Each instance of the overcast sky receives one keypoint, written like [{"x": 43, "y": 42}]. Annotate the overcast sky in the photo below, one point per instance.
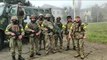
[{"x": 62, "y": 3}]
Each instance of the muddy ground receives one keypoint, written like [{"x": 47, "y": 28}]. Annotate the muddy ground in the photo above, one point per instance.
[{"x": 93, "y": 51}]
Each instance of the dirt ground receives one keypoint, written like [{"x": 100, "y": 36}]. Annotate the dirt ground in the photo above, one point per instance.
[{"x": 93, "y": 51}]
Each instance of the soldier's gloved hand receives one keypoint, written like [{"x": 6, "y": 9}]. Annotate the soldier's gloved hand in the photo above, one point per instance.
[
  {"x": 20, "y": 37},
  {"x": 12, "y": 34}
]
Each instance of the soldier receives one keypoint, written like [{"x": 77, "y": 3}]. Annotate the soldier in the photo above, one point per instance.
[
  {"x": 21, "y": 13},
  {"x": 79, "y": 35},
  {"x": 34, "y": 33},
  {"x": 68, "y": 32},
  {"x": 40, "y": 24},
  {"x": 58, "y": 33},
  {"x": 48, "y": 30},
  {"x": 15, "y": 31}
]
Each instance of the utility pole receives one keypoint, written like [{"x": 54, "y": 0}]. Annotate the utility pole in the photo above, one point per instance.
[
  {"x": 86, "y": 16},
  {"x": 74, "y": 8}
]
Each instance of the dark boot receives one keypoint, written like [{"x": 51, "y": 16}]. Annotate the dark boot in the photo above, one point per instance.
[
  {"x": 20, "y": 57},
  {"x": 13, "y": 58},
  {"x": 32, "y": 55},
  {"x": 74, "y": 47},
  {"x": 67, "y": 48},
  {"x": 38, "y": 54}
]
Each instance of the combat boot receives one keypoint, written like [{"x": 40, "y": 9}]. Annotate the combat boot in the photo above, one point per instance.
[
  {"x": 67, "y": 48},
  {"x": 20, "y": 57},
  {"x": 74, "y": 47},
  {"x": 32, "y": 55},
  {"x": 13, "y": 58},
  {"x": 38, "y": 53}
]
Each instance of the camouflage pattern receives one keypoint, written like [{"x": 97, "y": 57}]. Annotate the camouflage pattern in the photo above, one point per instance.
[
  {"x": 13, "y": 41},
  {"x": 48, "y": 31},
  {"x": 34, "y": 39},
  {"x": 58, "y": 35},
  {"x": 68, "y": 32},
  {"x": 42, "y": 35},
  {"x": 79, "y": 32}
]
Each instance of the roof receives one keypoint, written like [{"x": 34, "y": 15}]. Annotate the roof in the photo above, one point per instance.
[{"x": 50, "y": 6}]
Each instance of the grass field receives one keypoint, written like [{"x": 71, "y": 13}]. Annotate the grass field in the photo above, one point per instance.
[{"x": 97, "y": 32}]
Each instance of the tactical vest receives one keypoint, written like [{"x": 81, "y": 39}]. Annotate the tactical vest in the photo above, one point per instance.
[
  {"x": 34, "y": 27},
  {"x": 59, "y": 25},
  {"x": 15, "y": 28},
  {"x": 68, "y": 27},
  {"x": 78, "y": 28}
]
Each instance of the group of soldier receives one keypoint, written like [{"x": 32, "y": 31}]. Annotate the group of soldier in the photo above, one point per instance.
[{"x": 43, "y": 29}]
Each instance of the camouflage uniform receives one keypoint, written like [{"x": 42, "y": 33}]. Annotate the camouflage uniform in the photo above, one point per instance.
[
  {"x": 21, "y": 14},
  {"x": 42, "y": 35},
  {"x": 79, "y": 33},
  {"x": 34, "y": 39},
  {"x": 48, "y": 31},
  {"x": 68, "y": 32},
  {"x": 14, "y": 40},
  {"x": 58, "y": 34}
]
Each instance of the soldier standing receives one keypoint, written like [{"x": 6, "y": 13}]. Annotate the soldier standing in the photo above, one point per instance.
[
  {"x": 58, "y": 33},
  {"x": 42, "y": 35},
  {"x": 68, "y": 32},
  {"x": 48, "y": 30},
  {"x": 79, "y": 35},
  {"x": 34, "y": 32},
  {"x": 21, "y": 13},
  {"x": 15, "y": 31}
]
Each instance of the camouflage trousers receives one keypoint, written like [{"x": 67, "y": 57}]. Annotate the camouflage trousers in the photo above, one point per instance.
[
  {"x": 80, "y": 47},
  {"x": 58, "y": 37},
  {"x": 13, "y": 43},
  {"x": 34, "y": 42},
  {"x": 79, "y": 42},
  {"x": 42, "y": 41},
  {"x": 49, "y": 46},
  {"x": 69, "y": 39}
]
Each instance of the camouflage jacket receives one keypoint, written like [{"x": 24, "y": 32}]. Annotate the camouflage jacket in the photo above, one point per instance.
[
  {"x": 15, "y": 29},
  {"x": 78, "y": 30},
  {"x": 68, "y": 27},
  {"x": 78, "y": 27},
  {"x": 58, "y": 27},
  {"x": 48, "y": 25},
  {"x": 32, "y": 26}
]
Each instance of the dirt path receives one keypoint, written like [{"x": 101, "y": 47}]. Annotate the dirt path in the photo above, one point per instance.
[{"x": 93, "y": 51}]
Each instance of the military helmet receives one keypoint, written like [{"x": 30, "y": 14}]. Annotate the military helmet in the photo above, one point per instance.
[
  {"x": 47, "y": 15},
  {"x": 40, "y": 14},
  {"x": 58, "y": 18},
  {"x": 14, "y": 18},
  {"x": 33, "y": 16}
]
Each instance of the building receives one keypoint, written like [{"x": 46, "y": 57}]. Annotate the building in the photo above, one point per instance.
[
  {"x": 56, "y": 11},
  {"x": 86, "y": 15}
]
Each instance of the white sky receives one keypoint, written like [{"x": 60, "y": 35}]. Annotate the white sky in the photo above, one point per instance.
[{"x": 62, "y": 3}]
